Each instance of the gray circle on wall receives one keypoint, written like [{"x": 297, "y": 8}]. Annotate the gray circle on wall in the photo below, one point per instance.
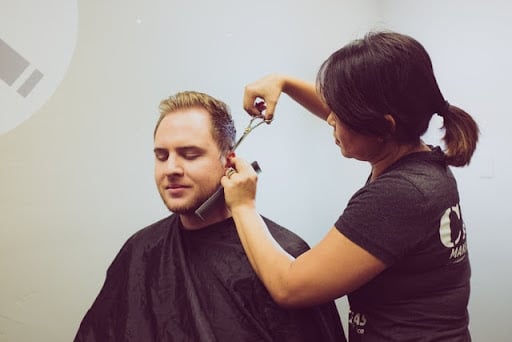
[{"x": 37, "y": 41}]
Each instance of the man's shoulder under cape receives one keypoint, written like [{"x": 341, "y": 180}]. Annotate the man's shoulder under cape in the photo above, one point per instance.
[{"x": 171, "y": 284}]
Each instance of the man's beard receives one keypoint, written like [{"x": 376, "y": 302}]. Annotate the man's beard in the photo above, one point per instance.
[{"x": 186, "y": 209}]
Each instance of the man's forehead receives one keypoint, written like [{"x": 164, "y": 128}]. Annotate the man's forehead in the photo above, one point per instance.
[
  {"x": 190, "y": 127},
  {"x": 195, "y": 120}
]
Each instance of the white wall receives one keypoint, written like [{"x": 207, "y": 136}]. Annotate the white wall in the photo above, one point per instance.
[{"x": 76, "y": 177}]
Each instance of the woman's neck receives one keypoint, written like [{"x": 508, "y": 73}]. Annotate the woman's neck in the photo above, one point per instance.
[{"x": 392, "y": 154}]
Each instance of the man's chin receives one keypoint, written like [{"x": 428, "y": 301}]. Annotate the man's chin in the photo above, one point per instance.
[{"x": 183, "y": 209}]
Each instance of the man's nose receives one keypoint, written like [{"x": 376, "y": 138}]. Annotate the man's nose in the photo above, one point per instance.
[{"x": 173, "y": 166}]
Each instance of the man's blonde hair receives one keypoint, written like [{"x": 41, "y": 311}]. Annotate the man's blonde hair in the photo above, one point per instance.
[{"x": 223, "y": 127}]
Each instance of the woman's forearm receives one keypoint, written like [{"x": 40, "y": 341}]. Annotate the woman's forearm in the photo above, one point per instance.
[
  {"x": 270, "y": 262},
  {"x": 270, "y": 87},
  {"x": 305, "y": 94}
]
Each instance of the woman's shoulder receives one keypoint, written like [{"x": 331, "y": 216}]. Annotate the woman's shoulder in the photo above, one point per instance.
[{"x": 418, "y": 173}]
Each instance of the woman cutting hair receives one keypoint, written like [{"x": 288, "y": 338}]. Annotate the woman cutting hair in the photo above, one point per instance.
[{"x": 398, "y": 250}]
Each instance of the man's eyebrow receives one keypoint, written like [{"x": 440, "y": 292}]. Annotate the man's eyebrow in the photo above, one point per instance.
[
  {"x": 191, "y": 148},
  {"x": 181, "y": 149},
  {"x": 159, "y": 149}
]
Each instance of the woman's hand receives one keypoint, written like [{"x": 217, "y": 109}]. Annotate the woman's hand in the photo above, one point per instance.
[
  {"x": 268, "y": 89},
  {"x": 239, "y": 184}
]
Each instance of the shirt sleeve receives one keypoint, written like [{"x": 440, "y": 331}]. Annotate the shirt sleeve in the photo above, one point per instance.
[{"x": 386, "y": 218}]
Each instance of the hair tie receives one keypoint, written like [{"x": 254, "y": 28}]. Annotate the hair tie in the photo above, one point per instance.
[{"x": 445, "y": 109}]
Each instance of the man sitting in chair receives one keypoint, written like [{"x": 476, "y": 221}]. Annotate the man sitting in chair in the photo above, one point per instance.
[{"x": 185, "y": 277}]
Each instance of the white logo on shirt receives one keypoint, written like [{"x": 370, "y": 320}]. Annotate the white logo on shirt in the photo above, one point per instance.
[
  {"x": 357, "y": 321},
  {"x": 452, "y": 232}
]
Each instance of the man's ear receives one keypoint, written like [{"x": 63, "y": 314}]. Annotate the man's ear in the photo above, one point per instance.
[{"x": 229, "y": 155}]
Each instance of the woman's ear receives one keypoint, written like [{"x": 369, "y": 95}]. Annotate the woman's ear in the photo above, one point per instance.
[{"x": 391, "y": 123}]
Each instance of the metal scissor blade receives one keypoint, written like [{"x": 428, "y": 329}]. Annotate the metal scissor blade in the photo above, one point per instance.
[
  {"x": 250, "y": 127},
  {"x": 219, "y": 193}
]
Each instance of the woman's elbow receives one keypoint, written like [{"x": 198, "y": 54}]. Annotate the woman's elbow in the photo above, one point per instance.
[
  {"x": 290, "y": 299},
  {"x": 285, "y": 300},
  {"x": 301, "y": 297}
]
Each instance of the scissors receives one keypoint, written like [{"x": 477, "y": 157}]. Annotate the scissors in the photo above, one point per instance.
[
  {"x": 253, "y": 124},
  {"x": 260, "y": 105},
  {"x": 251, "y": 127}
]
